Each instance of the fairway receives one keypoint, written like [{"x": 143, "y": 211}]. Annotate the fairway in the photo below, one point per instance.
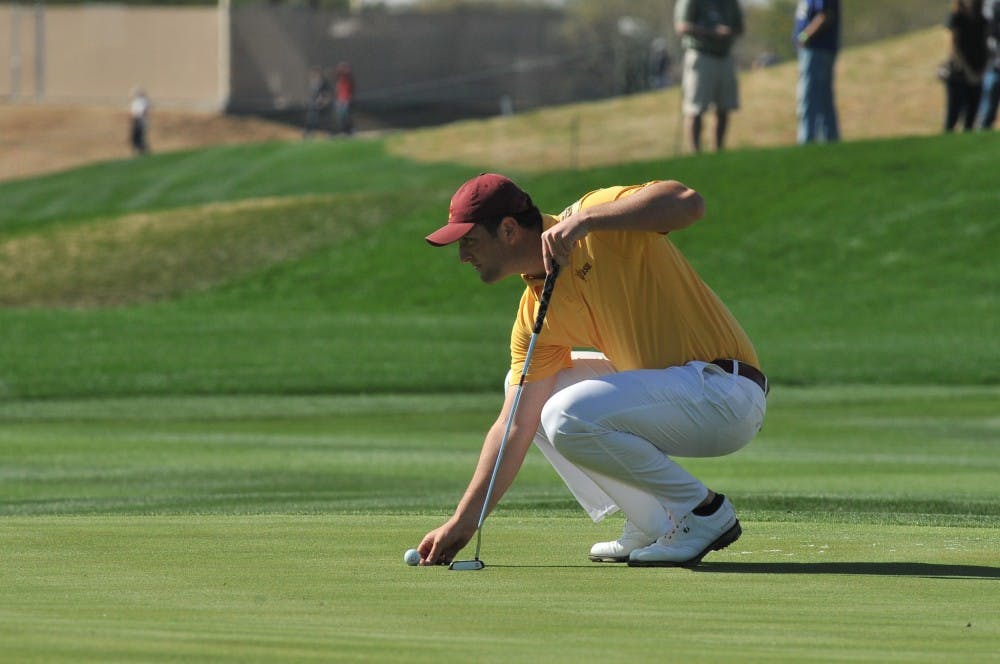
[{"x": 273, "y": 528}]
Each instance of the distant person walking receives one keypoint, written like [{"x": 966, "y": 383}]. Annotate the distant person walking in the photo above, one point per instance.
[
  {"x": 139, "y": 109},
  {"x": 817, "y": 37},
  {"x": 991, "y": 77},
  {"x": 708, "y": 29},
  {"x": 344, "y": 95},
  {"x": 966, "y": 63}
]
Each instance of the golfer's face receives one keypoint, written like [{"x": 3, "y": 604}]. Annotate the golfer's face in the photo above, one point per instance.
[{"x": 485, "y": 252}]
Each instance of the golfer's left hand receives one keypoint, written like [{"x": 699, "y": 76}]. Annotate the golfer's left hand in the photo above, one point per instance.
[{"x": 441, "y": 545}]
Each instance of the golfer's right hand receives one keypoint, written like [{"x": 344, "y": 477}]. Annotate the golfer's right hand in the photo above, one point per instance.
[{"x": 440, "y": 546}]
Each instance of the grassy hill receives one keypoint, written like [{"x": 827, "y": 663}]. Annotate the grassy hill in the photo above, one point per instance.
[{"x": 300, "y": 268}]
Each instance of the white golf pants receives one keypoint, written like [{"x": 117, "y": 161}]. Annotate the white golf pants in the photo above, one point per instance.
[{"x": 611, "y": 435}]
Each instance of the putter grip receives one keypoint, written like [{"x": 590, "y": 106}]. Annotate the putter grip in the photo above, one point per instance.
[{"x": 543, "y": 303}]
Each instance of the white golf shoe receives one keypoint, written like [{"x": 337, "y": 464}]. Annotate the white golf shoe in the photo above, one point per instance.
[
  {"x": 691, "y": 539},
  {"x": 618, "y": 550}
]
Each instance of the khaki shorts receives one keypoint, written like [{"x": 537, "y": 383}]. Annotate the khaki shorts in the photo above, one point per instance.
[{"x": 709, "y": 80}]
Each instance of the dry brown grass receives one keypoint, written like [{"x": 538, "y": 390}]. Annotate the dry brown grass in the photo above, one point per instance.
[
  {"x": 41, "y": 139},
  {"x": 885, "y": 89}
]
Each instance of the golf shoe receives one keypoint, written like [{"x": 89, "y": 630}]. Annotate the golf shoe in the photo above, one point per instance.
[
  {"x": 691, "y": 539},
  {"x": 618, "y": 551}
]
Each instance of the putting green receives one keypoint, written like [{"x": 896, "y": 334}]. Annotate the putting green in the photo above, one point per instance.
[{"x": 335, "y": 588}]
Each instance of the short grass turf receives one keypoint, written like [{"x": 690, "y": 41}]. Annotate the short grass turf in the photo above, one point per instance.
[
  {"x": 273, "y": 528},
  {"x": 335, "y": 588}
]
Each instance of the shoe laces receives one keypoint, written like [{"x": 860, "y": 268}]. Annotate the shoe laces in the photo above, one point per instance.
[{"x": 680, "y": 527}]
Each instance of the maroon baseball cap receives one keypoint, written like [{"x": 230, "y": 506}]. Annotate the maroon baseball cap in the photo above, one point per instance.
[{"x": 483, "y": 198}]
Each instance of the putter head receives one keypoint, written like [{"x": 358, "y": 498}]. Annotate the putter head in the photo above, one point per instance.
[{"x": 466, "y": 565}]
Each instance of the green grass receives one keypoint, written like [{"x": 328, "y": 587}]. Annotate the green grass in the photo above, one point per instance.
[
  {"x": 311, "y": 588},
  {"x": 272, "y": 529},
  {"x": 917, "y": 456},
  {"x": 870, "y": 262}
]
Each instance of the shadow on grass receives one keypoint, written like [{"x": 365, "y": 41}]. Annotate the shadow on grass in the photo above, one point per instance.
[{"x": 926, "y": 570}]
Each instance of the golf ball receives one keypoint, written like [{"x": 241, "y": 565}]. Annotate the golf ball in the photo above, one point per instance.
[{"x": 412, "y": 557}]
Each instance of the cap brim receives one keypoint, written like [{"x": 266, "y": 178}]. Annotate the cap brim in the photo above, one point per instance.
[{"x": 451, "y": 232}]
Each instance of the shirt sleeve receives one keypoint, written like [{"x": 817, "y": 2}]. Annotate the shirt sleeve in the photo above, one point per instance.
[
  {"x": 548, "y": 359},
  {"x": 623, "y": 243}
]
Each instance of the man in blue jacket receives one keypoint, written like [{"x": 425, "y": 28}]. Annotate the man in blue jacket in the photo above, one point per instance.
[
  {"x": 817, "y": 35},
  {"x": 991, "y": 79}
]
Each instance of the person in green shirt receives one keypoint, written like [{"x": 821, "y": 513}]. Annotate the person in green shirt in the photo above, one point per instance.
[{"x": 708, "y": 29}]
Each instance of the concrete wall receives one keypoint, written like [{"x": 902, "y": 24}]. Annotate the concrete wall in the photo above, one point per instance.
[
  {"x": 17, "y": 51},
  {"x": 95, "y": 54}
]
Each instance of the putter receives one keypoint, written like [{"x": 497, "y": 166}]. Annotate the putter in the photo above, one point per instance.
[{"x": 543, "y": 307}]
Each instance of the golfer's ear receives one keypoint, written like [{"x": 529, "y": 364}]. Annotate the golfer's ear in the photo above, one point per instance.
[{"x": 508, "y": 229}]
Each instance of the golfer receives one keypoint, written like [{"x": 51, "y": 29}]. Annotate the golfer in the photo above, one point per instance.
[{"x": 670, "y": 372}]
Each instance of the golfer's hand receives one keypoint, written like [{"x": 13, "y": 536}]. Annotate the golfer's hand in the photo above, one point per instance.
[
  {"x": 440, "y": 546},
  {"x": 558, "y": 241}
]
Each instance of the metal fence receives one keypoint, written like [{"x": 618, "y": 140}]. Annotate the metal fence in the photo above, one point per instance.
[{"x": 412, "y": 68}]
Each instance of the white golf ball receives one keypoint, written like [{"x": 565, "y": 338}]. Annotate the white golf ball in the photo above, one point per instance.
[{"x": 412, "y": 557}]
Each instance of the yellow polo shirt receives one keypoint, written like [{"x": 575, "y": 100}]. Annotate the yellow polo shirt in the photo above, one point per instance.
[{"x": 630, "y": 295}]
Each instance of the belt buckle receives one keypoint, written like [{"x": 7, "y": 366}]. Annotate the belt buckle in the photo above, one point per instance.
[{"x": 738, "y": 371}]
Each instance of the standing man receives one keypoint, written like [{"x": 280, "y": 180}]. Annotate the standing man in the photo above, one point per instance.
[
  {"x": 319, "y": 101},
  {"x": 674, "y": 376},
  {"x": 968, "y": 60},
  {"x": 817, "y": 36},
  {"x": 991, "y": 78},
  {"x": 708, "y": 29},
  {"x": 344, "y": 96},
  {"x": 139, "y": 121}
]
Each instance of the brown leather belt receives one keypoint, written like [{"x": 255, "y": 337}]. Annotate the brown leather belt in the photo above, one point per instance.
[{"x": 745, "y": 370}]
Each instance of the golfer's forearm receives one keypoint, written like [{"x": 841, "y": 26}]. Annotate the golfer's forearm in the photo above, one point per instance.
[
  {"x": 471, "y": 505},
  {"x": 660, "y": 207}
]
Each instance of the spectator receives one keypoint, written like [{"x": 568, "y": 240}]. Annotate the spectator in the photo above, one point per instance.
[
  {"x": 319, "y": 101},
  {"x": 817, "y": 36},
  {"x": 966, "y": 63},
  {"x": 139, "y": 114},
  {"x": 708, "y": 29},
  {"x": 344, "y": 95},
  {"x": 991, "y": 79}
]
